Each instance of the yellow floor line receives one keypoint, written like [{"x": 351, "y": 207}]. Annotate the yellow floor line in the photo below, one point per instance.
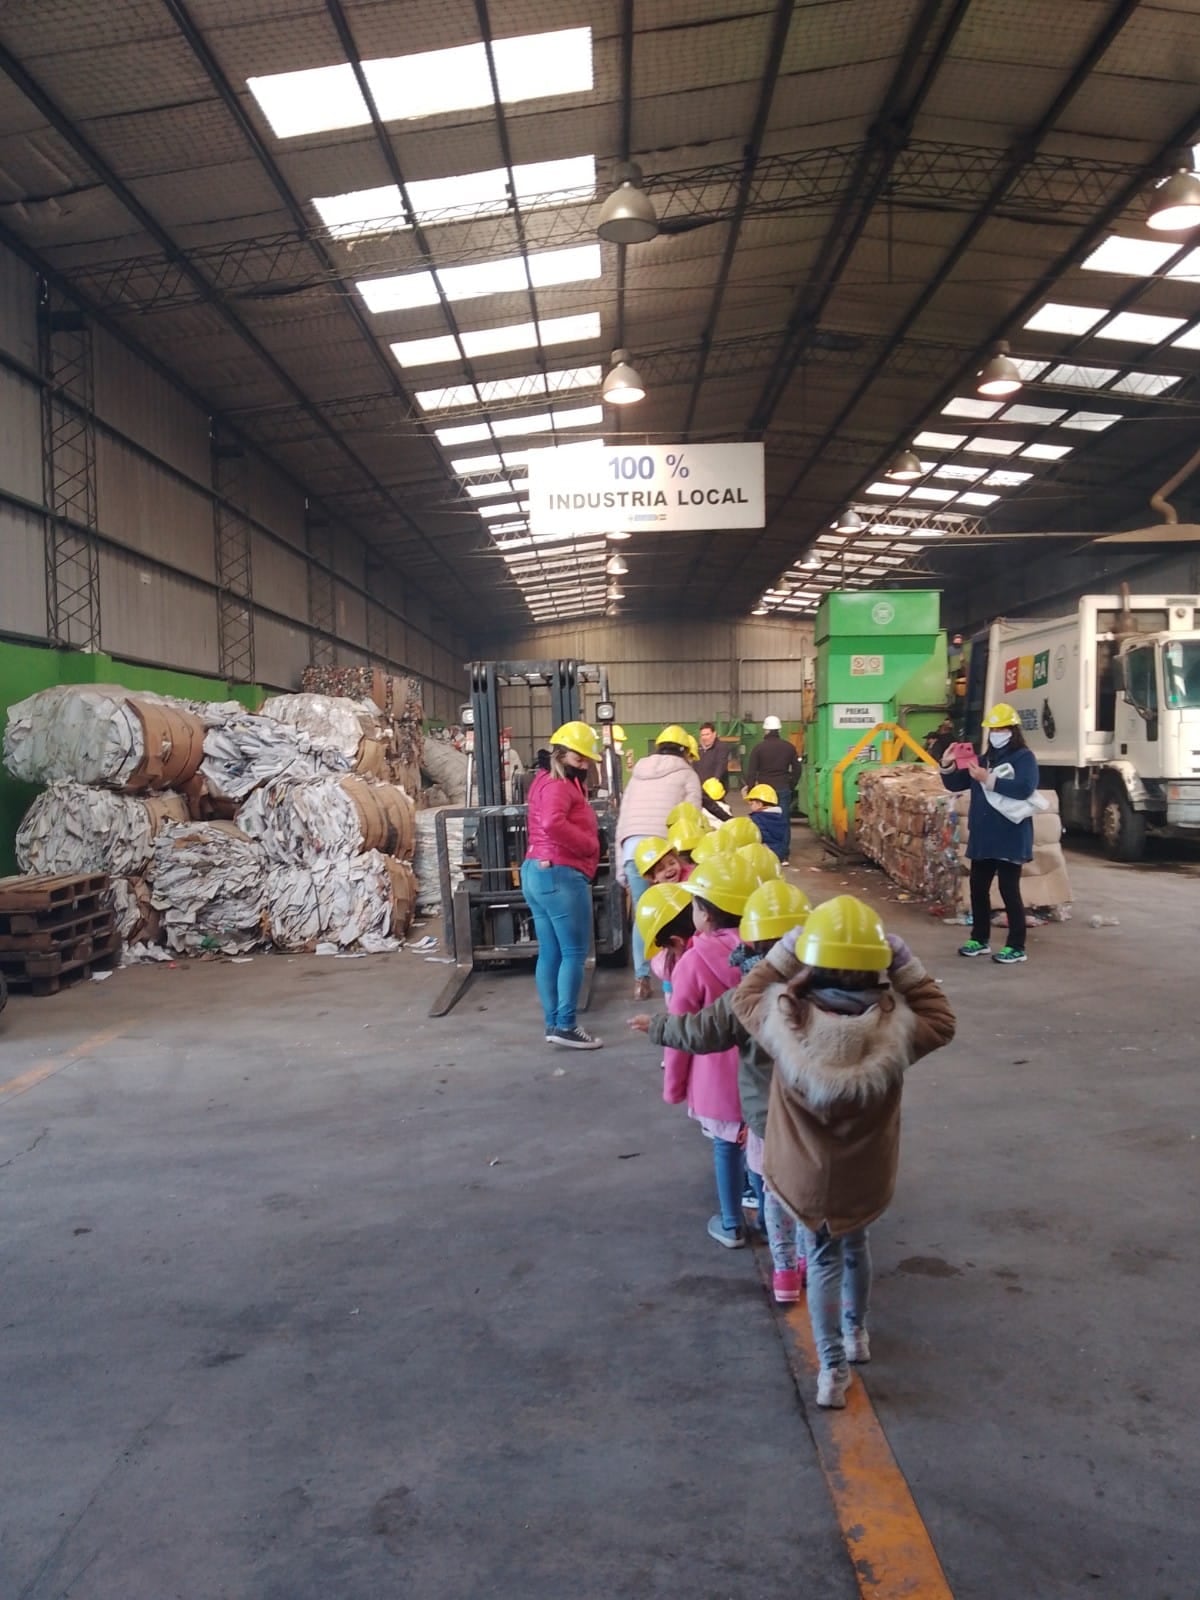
[
  {"x": 54, "y": 1064},
  {"x": 890, "y": 1548}
]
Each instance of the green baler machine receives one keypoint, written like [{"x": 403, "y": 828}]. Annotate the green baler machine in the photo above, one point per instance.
[{"x": 881, "y": 657}]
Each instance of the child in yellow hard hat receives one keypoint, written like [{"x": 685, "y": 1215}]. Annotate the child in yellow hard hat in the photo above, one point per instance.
[
  {"x": 664, "y": 919},
  {"x": 843, "y": 1009},
  {"x": 715, "y": 803},
  {"x": 766, "y": 813}
]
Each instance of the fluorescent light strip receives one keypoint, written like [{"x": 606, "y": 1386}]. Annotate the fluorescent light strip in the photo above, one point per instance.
[
  {"x": 406, "y": 88},
  {"x": 408, "y": 291},
  {"x": 537, "y": 185},
  {"x": 498, "y": 341}
]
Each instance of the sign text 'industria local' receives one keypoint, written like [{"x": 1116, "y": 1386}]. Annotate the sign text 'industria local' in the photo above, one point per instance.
[{"x": 633, "y": 488}]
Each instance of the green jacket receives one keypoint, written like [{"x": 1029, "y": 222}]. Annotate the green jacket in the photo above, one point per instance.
[{"x": 716, "y": 1028}]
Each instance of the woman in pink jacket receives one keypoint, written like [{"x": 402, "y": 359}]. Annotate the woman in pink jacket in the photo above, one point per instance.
[
  {"x": 556, "y": 878},
  {"x": 719, "y": 890},
  {"x": 657, "y": 784}
]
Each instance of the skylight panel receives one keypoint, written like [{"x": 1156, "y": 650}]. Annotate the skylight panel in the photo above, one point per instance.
[
  {"x": 963, "y": 500},
  {"x": 892, "y": 491},
  {"x": 1006, "y": 480},
  {"x": 1187, "y": 266},
  {"x": 486, "y": 491},
  {"x": 579, "y": 417},
  {"x": 1029, "y": 370},
  {"x": 1189, "y": 340},
  {"x": 499, "y": 341},
  {"x": 962, "y": 406},
  {"x": 1041, "y": 415},
  {"x": 1046, "y": 452},
  {"x": 1055, "y": 317},
  {"x": 527, "y": 387},
  {"x": 406, "y": 88},
  {"x": 984, "y": 446},
  {"x": 1140, "y": 327},
  {"x": 1148, "y": 383},
  {"x": 363, "y": 212},
  {"x": 1133, "y": 258},
  {"x": 1092, "y": 421},
  {"x": 508, "y": 509},
  {"x": 468, "y": 433},
  {"x": 467, "y": 466},
  {"x": 954, "y": 470},
  {"x": 942, "y": 441},
  {"x": 938, "y": 496},
  {"x": 408, "y": 291},
  {"x": 1069, "y": 376}
]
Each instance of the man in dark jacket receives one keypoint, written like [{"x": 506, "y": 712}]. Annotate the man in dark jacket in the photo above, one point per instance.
[
  {"x": 774, "y": 760},
  {"x": 714, "y": 756}
]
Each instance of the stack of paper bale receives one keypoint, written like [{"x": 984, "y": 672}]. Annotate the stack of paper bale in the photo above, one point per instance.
[
  {"x": 397, "y": 702},
  {"x": 1045, "y": 885},
  {"x": 906, "y": 821}
]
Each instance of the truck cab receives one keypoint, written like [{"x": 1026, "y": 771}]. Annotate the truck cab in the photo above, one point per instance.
[{"x": 1157, "y": 722}]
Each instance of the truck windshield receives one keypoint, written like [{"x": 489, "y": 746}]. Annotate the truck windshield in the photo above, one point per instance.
[{"x": 1181, "y": 674}]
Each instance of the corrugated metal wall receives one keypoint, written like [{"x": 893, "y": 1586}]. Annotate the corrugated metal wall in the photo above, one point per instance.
[
  {"x": 157, "y": 565},
  {"x": 668, "y": 671}
]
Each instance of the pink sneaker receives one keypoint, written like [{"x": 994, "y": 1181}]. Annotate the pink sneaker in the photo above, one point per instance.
[{"x": 787, "y": 1286}]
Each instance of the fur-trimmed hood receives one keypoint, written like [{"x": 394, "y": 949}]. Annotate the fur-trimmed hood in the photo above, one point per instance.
[{"x": 829, "y": 1056}]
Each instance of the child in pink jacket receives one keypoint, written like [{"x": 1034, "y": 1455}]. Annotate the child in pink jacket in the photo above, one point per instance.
[{"x": 709, "y": 1083}]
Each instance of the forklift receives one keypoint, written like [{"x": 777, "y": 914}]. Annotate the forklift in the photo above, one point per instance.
[{"x": 486, "y": 921}]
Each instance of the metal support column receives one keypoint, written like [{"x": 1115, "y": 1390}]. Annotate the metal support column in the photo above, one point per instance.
[
  {"x": 69, "y": 473},
  {"x": 322, "y": 607},
  {"x": 234, "y": 568}
]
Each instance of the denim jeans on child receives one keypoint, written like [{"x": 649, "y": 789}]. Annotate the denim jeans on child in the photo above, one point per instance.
[
  {"x": 637, "y": 888},
  {"x": 731, "y": 1178},
  {"x": 839, "y": 1289},
  {"x": 561, "y": 901}
]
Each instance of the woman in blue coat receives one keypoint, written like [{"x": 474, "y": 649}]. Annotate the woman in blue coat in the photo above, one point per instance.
[{"x": 999, "y": 837}]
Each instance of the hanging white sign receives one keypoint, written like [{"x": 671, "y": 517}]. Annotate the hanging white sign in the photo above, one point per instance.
[{"x": 646, "y": 488}]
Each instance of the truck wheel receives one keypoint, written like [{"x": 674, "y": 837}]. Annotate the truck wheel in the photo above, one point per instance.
[{"x": 1122, "y": 828}]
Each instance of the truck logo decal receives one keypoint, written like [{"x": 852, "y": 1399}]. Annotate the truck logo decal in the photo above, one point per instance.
[{"x": 1041, "y": 668}]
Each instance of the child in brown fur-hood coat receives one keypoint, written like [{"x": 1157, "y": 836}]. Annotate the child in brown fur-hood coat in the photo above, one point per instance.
[{"x": 833, "y": 1124}]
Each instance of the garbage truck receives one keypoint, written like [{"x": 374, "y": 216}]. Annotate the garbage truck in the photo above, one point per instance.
[{"x": 1109, "y": 701}]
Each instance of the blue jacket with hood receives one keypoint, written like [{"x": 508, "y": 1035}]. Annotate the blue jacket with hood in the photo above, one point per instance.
[{"x": 990, "y": 834}]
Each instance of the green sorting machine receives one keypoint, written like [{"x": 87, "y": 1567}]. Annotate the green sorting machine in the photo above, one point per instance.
[{"x": 881, "y": 657}]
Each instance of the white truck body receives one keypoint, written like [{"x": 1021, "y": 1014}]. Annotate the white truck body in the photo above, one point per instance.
[{"x": 1109, "y": 702}]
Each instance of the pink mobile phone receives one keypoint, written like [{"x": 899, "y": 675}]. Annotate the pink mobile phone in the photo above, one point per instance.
[{"x": 963, "y": 754}]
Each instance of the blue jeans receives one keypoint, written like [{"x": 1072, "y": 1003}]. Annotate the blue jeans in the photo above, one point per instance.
[
  {"x": 839, "y": 1289},
  {"x": 637, "y": 888},
  {"x": 731, "y": 1181},
  {"x": 561, "y": 901},
  {"x": 785, "y": 805}
]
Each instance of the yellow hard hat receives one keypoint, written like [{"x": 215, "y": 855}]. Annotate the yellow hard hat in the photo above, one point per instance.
[
  {"x": 658, "y": 907},
  {"x": 685, "y": 811},
  {"x": 648, "y": 853},
  {"x": 738, "y": 831},
  {"x": 618, "y": 733},
  {"x": 763, "y": 861},
  {"x": 725, "y": 881},
  {"x": 707, "y": 846},
  {"x": 763, "y": 792},
  {"x": 687, "y": 836},
  {"x": 674, "y": 735},
  {"x": 578, "y": 736},
  {"x": 846, "y": 933},
  {"x": 1002, "y": 716},
  {"x": 713, "y": 788},
  {"x": 773, "y": 909},
  {"x": 693, "y": 749}
]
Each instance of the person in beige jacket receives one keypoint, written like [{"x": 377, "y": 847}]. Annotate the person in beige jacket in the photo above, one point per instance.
[{"x": 843, "y": 1009}]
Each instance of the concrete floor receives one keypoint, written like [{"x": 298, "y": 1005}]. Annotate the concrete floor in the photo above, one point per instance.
[{"x": 308, "y": 1296}]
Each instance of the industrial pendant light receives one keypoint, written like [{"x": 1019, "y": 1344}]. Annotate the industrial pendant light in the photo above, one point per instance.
[
  {"x": 616, "y": 566},
  {"x": 849, "y": 522},
  {"x": 998, "y": 375},
  {"x": 906, "y": 468},
  {"x": 623, "y": 384},
  {"x": 1175, "y": 204},
  {"x": 619, "y": 533},
  {"x": 615, "y": 591},
  {"x": 760, "y": 609},
  {"x": 628, "y": 215}
]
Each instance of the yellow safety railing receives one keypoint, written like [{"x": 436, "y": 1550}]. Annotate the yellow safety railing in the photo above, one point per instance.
[{"x": 889, "y": 754}]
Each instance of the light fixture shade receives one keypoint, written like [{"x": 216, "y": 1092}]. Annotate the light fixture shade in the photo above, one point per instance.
[
  {"x": 906, "y": 468},
  {"x": 628, "y": 215},
  {"x": 1175, "y": 205},
  {"x": 616, "y": 566},
  {"x": 998, "y": 376},
  {"x": 623, "y": 384},
  {"x": 619, "y": 533},
  {"x": 849, "y": 522},
  {"x": 760, "y": 610},
  {"x": 615, "y": 591}
]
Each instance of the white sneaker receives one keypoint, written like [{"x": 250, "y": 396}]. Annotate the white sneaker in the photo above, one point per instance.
[
  {"x": 832, "y": 1383},
  {"x": 858, "y": 1345}
]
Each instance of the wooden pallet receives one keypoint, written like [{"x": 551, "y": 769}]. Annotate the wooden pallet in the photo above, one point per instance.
[
  {"x": 46, "y": 972},
  {"x": 42, "y": 894},
  {"x": 27, "y": 931}
]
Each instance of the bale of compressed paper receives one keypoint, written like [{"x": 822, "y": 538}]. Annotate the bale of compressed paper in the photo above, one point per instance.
[
  {"x": 355, "y": 729},
  {"x": 907, "y": 822},
  {"x": 425, "y": 862},
  {"x": 72, "y": 827},
  {"x": 137, "y": 920},
  {"x": 103, "y": 734},
  {"x": 361, "y": 902},
  {"x": 246, "y": 751},
  {"x": 208, "y": 884},
  {"x": 442, "y": 764},
  {"x": 320, "y": 818}
]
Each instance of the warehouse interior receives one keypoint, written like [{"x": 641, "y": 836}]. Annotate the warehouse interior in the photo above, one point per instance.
[{"x": 311, "y": 1290}]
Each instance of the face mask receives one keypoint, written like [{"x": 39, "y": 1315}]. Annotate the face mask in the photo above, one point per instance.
[{"x": 999, "y": 740}]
